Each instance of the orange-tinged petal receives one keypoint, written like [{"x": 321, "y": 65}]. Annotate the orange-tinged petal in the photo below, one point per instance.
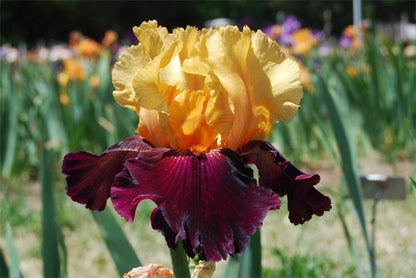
[
  {"x": 188, "y": 122},
  {"x": 153, "y": 126},
  {"x": 208, "y": 89},
  {"x": 220, "y": 114},
  {"x": 225, "y": 51},
  {"x": 150, "y": 271}
]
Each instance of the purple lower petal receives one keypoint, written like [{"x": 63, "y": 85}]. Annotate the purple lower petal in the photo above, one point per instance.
[
  {"x": 282, "y": 177},
  {"x": 211, "y": 201},
  {"x": 89, "y": 177},
  {"x": 159, "y": 224}
]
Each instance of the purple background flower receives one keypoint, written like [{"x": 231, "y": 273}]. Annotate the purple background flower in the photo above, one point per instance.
[
  {"x": 345, "y": 42},
  {"x": 289, "y": 25},
  {"x": 325, "y": 49}
]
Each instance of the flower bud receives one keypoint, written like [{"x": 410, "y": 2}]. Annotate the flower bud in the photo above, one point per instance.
[{"x": 150, "y": 271}]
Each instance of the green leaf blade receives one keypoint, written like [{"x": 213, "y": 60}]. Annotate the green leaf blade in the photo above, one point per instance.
[
  {"x": 14, "y": 271},
  {"x": 50, "y": 230},
  {"x": 121, "y": 251},
  {"x": 250, "y": 266}
]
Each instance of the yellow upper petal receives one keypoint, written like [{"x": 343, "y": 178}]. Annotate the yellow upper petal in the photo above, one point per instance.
[
  {"x": 284, "y": 76},
  {"x": 188, "y": 122},
  {"x": 153, "y": 126},
  {"x": 202, "y": 90},
  {"x": 189, "y": 37},
  {"x": 133, "y": 60}
]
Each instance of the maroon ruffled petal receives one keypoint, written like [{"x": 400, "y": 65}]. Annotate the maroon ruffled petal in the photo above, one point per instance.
[
  {"x": 282, "y": 177},
  {"x": 159, "y": 224},
  {"x": 211, "y": 201},
  {"x": 89, "y": 176}
]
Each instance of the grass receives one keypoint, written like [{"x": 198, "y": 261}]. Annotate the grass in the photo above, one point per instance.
[{"x": 301, "y": 266}]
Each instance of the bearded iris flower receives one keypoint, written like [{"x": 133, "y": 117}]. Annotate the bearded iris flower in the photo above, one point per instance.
[{"x": 206, "y": 99}]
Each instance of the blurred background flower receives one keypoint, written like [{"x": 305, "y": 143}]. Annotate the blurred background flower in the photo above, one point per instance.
[
  {"x": 73, "y": 69},
  {"x": 88, "y": 48}
]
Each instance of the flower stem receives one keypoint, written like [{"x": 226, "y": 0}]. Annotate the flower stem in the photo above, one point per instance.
[
  {"x": 179, "y": 262},
  {"x": 250, "y": 263}
]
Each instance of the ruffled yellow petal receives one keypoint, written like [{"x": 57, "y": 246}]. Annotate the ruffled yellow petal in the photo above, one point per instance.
[
  {"x": 188, "y": 122},
  {"x": 225, "y": 51},
  {"x": 189, "y": 37},
  {"x": 158, "y": 42},
  {"x": 195, "y": 66},
  {"x": 209, "y": 89},
  {"x": 136, "y": 75},
  {"x": 284, "y": 76},
  {"x": 287, "y": 90},
  {"x": 146, "y": 88},
  {"x": 133, "y": 60},
  {"x": 220, "y": 115},
  {"x": 149, "y": 38},
  {"x": 153, "y": 127}
]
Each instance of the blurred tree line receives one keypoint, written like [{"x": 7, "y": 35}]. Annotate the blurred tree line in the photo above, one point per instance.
[{"x": 52, "y": 20}]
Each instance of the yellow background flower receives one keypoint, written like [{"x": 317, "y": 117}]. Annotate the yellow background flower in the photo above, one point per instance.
[
  {"x": 351, "y": 70},
  {"x": 63, "y": 79},
  {"x": 206, "y": 89},
  {"x": 64, "y": 98},
  {"x": 89, "y": 48},
  {"x": 303, "y": 42},
  {"x": 94, "y": 81},
  {"x": 74, "y": 70},
  {"x": 110, "y": 37}
]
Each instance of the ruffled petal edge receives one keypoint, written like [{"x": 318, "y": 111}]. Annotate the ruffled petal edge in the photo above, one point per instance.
[
  {"x": 210, "y": 201},
  {"x": 89, "y": 176},
  {"x": 284, "y": 178}
]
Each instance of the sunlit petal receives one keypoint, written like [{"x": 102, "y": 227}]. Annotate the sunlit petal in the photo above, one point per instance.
[
  {"x": 250, "y": 81},
  {"x": 210, "y": 201},
  {"x": 123, "y": 73},
  {"x": 89, "y": 176}
]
